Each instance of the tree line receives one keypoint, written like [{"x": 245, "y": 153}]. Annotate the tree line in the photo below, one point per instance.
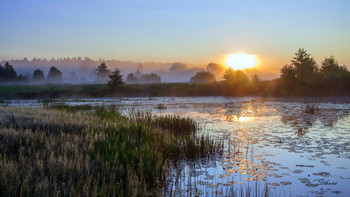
[
  {"x": 9, "y": 75},
  {"x": 302, "y": 76}
]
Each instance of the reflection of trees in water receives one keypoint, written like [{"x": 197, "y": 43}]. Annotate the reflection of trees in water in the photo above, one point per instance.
[
  {"x": 300, "y": 123},
  {"x": 293, "y": 115},
  {"x": 330, "y": 117},
  {"x": 304, "y": 121}
]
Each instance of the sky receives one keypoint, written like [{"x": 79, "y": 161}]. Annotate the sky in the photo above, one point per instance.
[{"x": 193, "y": 32}]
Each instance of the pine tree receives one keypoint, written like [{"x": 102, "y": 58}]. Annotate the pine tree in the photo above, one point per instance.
[{"x": 115, "y": 79}]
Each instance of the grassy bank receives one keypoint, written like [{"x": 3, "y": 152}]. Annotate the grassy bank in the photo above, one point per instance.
[
  {"x": 263, "y": 88},
  {"x": 101, "y": 90},
  {"x": 90, "y": 151},
  {"x": 52, "y": 91}
]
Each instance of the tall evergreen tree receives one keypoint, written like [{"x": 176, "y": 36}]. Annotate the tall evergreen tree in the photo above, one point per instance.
[
  {"x": 102, "y": 73},
  {"x": 115, "y": 79},
  {"x": 7, "y": 73}
]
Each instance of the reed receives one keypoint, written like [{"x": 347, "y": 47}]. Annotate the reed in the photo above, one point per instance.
[
  {"x": 65, "y": 150},
  {"x": 172, "y": 123}
]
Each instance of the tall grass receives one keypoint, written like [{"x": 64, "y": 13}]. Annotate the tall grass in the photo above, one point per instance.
[
  {"x": 59, "y": 151},
  {"x": 173, "y": 123}
]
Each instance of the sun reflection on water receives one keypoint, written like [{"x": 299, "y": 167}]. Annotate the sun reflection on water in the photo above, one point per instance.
[{"x": 238, "y": 118}]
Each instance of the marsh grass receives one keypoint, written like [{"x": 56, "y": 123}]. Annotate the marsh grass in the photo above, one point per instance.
[
  {"x": 175, "y": 124},
  {"x": 59, "y": 150}
]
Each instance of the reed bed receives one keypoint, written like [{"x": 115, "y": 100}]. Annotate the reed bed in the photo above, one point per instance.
[
  {"x": 175, "y": 124},
  {"x": 60, "y": 150}
]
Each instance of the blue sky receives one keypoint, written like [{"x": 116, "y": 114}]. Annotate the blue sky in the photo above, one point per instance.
[{"x": 167, "y": 31}]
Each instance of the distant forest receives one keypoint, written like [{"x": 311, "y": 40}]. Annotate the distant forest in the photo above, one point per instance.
[
  {"x": 303, "y": 76},
  {"x": 85, "y": 68},
  {"x": 77, "y": 70}
]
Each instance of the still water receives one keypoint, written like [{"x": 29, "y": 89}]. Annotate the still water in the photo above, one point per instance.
[{"x": 272, "y": 145}]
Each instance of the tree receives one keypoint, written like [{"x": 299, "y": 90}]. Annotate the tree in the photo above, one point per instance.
[
  {"x": 305, "y": 67},
  {"x": 178, "y": 67},
  {"x": 256, "y": 83},
  {"x": 73, "y": 77},
  {"x": 23, "y": 79},
  {"x": 115, "y": 79},
  {"x": 331, "y": 65},
  {"x": 255, "y": 79},
  {"x": 237, "y": 83},
  {"x": 102, "y": 73},
  {"x": 333, "y": 76},
  {"x": 55, "y": 75},
  {"x": 38, "y": 76},
  {"x": 229, "y": 75},
  {"x": 1, "y": 73},
  {"x": 203, "y": 77},
  {"x": 138, "y": 73},
  {"x": 217, "y": 69},
  {"x": 131, "y": 78},
  {"x": 212, "y": 67},
  {"x": 241, "y": 78},
  {"x": 288, "y": 73},
  {"x": 7, "y": 73},
  {"x": 301, "y": 75},
  {"x": 150, "y": 78}
]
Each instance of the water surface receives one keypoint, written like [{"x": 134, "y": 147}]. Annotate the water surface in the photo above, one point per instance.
[{"x": 271, "y": 144}]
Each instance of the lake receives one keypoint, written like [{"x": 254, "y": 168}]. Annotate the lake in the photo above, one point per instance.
[{"x": 281, "y": 146}]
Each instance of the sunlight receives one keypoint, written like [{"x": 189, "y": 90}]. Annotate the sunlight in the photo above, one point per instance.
[
  {"x": 238, "y": 118},
  {"x": 241, "y": 61}
]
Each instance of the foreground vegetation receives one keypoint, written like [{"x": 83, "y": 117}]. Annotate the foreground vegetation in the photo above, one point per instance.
[{"x": 94, "y": 151}]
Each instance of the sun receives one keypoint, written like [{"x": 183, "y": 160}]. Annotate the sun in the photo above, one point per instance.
[{"x": 241, "y": 61}]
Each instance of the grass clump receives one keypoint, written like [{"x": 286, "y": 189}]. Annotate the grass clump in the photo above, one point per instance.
[
  {"x": 172, "y": 123},
  {"x": 59, "y": 151}
]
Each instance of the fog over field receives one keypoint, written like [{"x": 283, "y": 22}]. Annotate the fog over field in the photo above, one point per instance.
[{"x": 85, "y": 69}]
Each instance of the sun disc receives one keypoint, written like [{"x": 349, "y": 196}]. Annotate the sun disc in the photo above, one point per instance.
[{"x": 241, "y": 61}]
